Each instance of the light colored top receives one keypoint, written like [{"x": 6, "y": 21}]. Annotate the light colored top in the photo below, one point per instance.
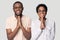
[
  {"x": 12, "y": 23},
  {"x": 46, "y": 34}
]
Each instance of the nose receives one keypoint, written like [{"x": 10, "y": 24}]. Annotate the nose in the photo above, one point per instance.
[
  {"x": 41, "y": 12},
  {"x": 17, "y": 9}
]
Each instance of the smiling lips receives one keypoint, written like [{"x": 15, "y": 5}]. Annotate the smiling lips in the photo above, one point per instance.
[{"x": 17, "y": 12}]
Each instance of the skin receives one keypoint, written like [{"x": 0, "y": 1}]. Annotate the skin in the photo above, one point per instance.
[
  {"x": 42, "y": 17},
  {"x": 42, "y": 13},
  {"x": 18, "y": 9}
]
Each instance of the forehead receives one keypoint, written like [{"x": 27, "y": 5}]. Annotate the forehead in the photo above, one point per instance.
[
  {"x": 17, "y": 4},
  {"x": 41, "y": 8}
]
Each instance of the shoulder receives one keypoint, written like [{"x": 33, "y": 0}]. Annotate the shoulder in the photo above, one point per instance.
[
  {"x": 51, "y": 21},
  {"x": 35, "y": 21},
  {"x": 26, "y": 18},
  {"x": 10, "y": 18}
]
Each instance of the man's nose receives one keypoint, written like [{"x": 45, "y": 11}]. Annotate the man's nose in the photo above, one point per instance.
[
  {"x": 17, "y": 9},
  {"x": 42, "y": 12}
]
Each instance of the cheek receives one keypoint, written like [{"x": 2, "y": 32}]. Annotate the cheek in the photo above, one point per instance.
[
  {"x": 41, "y": 15},
  {"x": 14, "y": 10}
]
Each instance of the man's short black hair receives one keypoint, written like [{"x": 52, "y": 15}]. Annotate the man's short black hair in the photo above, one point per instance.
[
  {"x": 43, "y": 5},
  {"x": 18, "y": 2}
]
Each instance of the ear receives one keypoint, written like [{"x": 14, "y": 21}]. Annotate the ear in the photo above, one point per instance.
[{"x": 46, "y": 13}]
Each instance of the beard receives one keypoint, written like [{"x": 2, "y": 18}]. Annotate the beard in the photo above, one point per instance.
[{"x": 18, "y": 14}]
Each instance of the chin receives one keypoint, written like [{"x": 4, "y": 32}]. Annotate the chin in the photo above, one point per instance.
[{"x": 17, "y": 14}]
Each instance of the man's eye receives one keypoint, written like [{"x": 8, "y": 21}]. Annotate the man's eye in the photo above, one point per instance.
[
  {"x": 17, "y": 7},
  {"x": 41, "y": 11}
]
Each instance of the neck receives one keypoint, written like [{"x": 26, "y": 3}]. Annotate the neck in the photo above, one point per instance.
[{"x": 17, "y": 16}]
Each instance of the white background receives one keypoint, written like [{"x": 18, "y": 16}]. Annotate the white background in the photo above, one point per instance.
[{"x": 29, "y": 10}]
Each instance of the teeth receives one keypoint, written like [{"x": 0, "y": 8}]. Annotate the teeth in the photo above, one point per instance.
[{"x": 17, "y": 11}]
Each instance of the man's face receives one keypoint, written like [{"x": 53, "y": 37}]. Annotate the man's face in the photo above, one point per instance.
[
  {"x": 41, "y": 12},
  {"x": 18, "y": 9}
]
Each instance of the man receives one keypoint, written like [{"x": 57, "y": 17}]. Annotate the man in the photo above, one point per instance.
[
  {"x": 43, "y": 28},
  {"x": 18, "y": 26}
]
